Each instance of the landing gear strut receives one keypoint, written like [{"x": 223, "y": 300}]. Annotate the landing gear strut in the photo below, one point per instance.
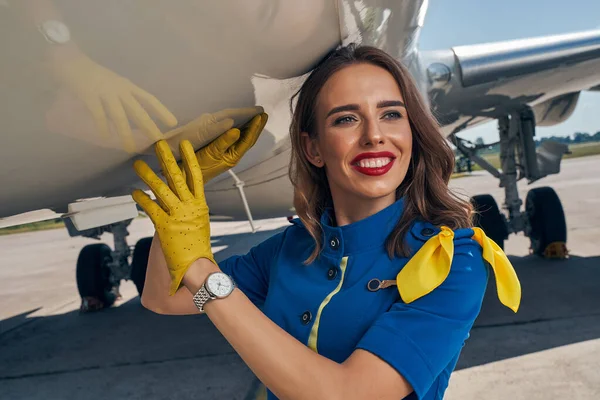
[
  {"x": 543, "y": 219},
  {"x": 240, "y": 185}
]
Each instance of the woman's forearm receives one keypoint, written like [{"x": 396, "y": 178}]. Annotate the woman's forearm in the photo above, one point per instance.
[
  {"x": 155, "y": 295},
  {"x": 287, "y": 367}
]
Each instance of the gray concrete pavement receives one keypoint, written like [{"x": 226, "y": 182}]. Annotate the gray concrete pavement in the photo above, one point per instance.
[
  {"x": 551, "y": 348},
  {"x": 48, "y": 350}
]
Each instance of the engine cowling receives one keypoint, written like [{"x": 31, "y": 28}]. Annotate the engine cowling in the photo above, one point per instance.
[{"x": 556, "y": 110}]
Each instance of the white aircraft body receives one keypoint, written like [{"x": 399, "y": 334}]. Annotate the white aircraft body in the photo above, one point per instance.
[{"x": 87, "y": 87}]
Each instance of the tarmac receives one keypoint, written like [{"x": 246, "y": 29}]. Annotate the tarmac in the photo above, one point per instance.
[{"x": 48, "y": 350}]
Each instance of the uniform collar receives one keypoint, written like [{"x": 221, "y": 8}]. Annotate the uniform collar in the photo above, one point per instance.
[{"x": 363, "y": 235}]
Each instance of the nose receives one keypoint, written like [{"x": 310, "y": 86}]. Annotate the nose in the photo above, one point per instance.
[{"x": 372, "y": 133}]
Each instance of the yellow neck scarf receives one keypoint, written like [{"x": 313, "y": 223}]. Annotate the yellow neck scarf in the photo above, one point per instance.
[{"x": 430, "y": 266}]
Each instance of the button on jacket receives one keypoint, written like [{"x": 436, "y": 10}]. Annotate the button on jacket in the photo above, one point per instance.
[{"x": 327, "y": 304}]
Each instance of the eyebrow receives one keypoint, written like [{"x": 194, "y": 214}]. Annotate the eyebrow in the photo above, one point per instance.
[{"x": 356, "y": 107}]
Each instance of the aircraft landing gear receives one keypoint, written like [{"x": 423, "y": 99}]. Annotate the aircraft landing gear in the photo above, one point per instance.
[
  {"x": 93, "y": 277},
  {"x": 546, "y": 223},
  {"x": 490, "y": 219},
  {"x": 100, "y": 269},
  {"x": 543, "y": 219}
]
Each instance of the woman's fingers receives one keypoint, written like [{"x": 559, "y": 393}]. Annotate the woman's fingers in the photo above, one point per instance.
[
  {"x": 218, "y": 147},
  {"x": 152, "y": 209},
  {"x": 239, "y": 114},
  {"x": 251, "y": 134},
  {"x": 192, "y": 169},
  {"x": 172, "y": 171},
  {"x": 162, "y": 192}
]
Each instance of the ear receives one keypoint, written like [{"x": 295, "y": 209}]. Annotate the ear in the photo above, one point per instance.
[{"x": 311, "y": 150}]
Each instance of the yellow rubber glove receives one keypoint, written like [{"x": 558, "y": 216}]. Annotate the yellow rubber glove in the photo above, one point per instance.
[
  {"x": 228, "y": 149},
  {"x": 101, "y": 89},
  {"x": 430, "y": 267},
  {"x": 181, "y": 216}
]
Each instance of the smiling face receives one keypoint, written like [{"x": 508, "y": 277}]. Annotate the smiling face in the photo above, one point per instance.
[{"x": 364, "y": 139}]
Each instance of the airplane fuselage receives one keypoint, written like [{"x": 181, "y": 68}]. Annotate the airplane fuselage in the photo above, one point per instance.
[
  {"x": 70, "y": 65},
  {"x": 197, "y": 59}
]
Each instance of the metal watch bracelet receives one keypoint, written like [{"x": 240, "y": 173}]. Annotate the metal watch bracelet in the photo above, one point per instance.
[{"x": 202, "y": 297}]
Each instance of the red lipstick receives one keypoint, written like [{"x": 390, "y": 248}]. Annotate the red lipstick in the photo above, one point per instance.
[{"x": 377, "y": 171}]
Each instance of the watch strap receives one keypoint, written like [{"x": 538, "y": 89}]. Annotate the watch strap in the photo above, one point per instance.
[{"x": 201, "y": 297}]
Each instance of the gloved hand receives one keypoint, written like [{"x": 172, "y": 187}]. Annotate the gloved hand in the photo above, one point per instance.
[
  {"x": 181, "y": 216},
  {"x": 228, "y": 149},
  {"x": 100, "y": 88}
]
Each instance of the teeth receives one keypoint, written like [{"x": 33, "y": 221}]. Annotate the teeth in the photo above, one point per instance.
[{"x": 374, "y": 162}]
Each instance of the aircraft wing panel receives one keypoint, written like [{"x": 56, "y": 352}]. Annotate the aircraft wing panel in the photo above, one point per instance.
[
  {"x": 471, "y": 84},
  {"x": 490, "y": 62}
]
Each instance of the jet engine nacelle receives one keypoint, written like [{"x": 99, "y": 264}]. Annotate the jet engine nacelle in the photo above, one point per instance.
[{"x": 556, "y": 110}]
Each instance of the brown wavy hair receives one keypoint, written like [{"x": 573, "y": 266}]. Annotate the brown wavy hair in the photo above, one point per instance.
[{"x": 425, "y": 187}]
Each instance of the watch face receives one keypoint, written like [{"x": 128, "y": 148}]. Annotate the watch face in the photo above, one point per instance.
[{"x": 219, "y": 284}]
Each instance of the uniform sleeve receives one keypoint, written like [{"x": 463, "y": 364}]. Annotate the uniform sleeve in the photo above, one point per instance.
[
  {"x": 421, "y": 338},
  {"x": 251, "y": 271}
]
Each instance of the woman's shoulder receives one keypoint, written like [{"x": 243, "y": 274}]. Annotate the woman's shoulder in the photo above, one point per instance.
[
  {"x": 422, "y": 231},
  {"x": 295, "y": 232},
  {"x": 297, "y": 228},
  {"x": 441, "y": 254}
]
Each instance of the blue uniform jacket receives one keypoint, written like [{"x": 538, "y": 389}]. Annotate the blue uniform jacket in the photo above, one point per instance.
[{"x": 327, "y": 306}]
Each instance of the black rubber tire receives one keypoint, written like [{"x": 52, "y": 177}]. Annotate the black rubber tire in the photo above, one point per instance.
[
  {"x": 489, "y": 218},
  {"x": 546, "y": 219},
  {"x": 93, "y": 275},
  {"x": 139, "y": 263}
]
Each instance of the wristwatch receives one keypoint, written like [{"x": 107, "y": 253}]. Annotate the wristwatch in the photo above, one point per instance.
[
  {"x": 216, "y": 286},
  {"x": 55, "y": 32}
]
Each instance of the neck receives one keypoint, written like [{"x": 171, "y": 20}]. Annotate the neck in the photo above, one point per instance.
[{"x": 349, "y": 210}]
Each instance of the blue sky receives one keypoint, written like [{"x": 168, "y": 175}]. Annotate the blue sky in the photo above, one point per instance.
[{"x": 460, "y": 22}]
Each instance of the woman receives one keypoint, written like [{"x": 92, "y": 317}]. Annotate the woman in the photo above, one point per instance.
[{"x": 373, "y": 291}]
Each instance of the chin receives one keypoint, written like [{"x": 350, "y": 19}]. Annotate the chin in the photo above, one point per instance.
[
  {"x": 378, "y": 186},
  {"x": 378, "y": 192}
]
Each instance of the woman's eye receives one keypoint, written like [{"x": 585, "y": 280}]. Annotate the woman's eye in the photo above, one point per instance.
[
  {"x": 344, "y": 120},
  {"x": 392, "y": 115}
]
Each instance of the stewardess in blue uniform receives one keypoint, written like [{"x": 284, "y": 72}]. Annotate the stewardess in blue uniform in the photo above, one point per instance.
[{"x": 372, "y": 291}]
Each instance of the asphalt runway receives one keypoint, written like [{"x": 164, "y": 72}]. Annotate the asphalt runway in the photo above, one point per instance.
[{"x": 48, "y": 350}]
